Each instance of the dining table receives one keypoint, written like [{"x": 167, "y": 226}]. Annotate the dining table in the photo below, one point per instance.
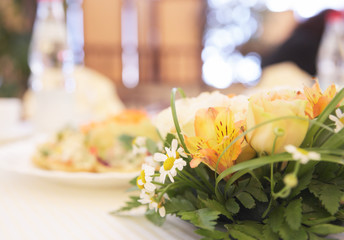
[{"x": 52, "y": 206}]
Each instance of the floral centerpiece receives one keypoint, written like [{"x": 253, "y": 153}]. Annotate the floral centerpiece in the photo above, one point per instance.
[{"x": 268, "y": 166}]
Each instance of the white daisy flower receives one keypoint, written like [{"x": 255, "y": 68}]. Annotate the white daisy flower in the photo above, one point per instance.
[
  {"x": 139, "y": 146},
  {"x": 158, "y": 208},
  {"x": 301, "y": 154},
  {"x": 338, "y": 120},
  {"x": 172, "y": 161},
  {"x": 147, "y": 198},
  {"x": 144, "y": 181}
]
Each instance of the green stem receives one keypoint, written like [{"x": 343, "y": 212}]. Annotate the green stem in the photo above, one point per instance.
[
  {"x": 204, "y": 180},
  {"x": 164, "y": 190},
  {"x": 185, "y": 175},
  {"x": 175, "y": 118}
]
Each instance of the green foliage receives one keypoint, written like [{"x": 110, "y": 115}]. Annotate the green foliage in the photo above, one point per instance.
[
  {"x": 251, "y": 229},
  {"x": 168, "y": 140},
  {"x": 204, "y": 218},
  {"x": 328, "y": 194},
  {"x": 216, "y": 206},
  {"x": 268, "y": 234},
  {"x": 325, "y": 229},
  {"x": 286, "y": 233},
  {"x": 154, "y": 217},
  {"x": 214, "y": 234},
  {"x": 232, "y": 206},
  {"x": 132, "y": 203},
  {"x": 276, "y": 218},
  {"x": 246, "y": 199},
  {"x": 293, "y": 214},
  {"x": 177, "y": 204},
  {"x": 255, "y": 189}
]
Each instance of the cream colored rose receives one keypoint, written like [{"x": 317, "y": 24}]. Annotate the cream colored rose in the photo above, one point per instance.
[
  {"x": 269, "y": 105},
  {"x": 187, "y": 108}
]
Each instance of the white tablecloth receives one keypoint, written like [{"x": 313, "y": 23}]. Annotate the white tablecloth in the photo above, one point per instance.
[{"x": 31, "y": 208}]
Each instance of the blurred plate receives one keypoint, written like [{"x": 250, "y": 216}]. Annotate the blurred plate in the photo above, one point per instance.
[{"x": 16, "y": 158}]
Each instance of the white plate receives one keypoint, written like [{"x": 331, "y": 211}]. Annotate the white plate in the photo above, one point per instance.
[{"x": 16, "y": 158}]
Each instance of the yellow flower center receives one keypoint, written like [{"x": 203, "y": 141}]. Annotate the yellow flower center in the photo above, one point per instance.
[
  {"x": 168, "y": 164},
  {"x": 302, "y": 151},
  {"x": 341, "y": 120},
  {"x": 142, "y": 177}
]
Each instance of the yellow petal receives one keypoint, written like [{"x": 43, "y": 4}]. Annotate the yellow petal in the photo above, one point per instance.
[
  {"x": 204, "y": 123},
  {"x": 194, "y": 144}
]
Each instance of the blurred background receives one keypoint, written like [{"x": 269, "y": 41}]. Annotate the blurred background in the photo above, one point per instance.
[{"x": 145, "y": 47}]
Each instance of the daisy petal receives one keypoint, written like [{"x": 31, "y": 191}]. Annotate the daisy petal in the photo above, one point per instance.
[
  {"x": 174, "y": 145},
  {"x": 162, "y": 211},
  {"x": 159, "y": 157}
]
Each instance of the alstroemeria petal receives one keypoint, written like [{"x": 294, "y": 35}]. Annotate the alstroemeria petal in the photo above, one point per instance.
[{"x": 204, "y": 123}]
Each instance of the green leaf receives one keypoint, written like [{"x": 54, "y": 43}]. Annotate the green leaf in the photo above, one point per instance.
[
  {"x": 268, "y": 234},
  {"x": 215, "y": 205},
  {"x": 238, "y": 235},
  {"x": 303, "y": 182},
  {"x": 246, "y": 199},
  {"x": 335, "y": 141},
  {"x": 312, "y": 236},
  {"x": 178, "y": 204},
  {"x": 276, "y": 218},
  {"x": 155, "y": 217},
  {"x": 287, "y": 233},
  {"x": 133, "y": 181},
  {"x": 232, "y": 206},
  {"x": 202, "y": 171},
  {"x": 151, "y": 146},
  {"x": 326, "y": 171},
  {"x": 191, "y": 197},
  {"x": 253, "y": 164},
  {"x": 293, "y": 214},
  {"x": 211, "y": 234},
  {"x": 257, "y": 193},
  {"x": 132, "y": 203},
  {"x": 175, "y": 117},
  {"x": 203, "y": 218},
  {"x": 326, "y": 229},
  {"x": 312, "y": 222},
  {"x": 168, "y": 139},
  {"x": 328, "y": 194},
  {"x": 251, "y": 228}
]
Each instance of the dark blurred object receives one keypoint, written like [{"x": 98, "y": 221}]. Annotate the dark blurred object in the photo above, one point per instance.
[
  {"x": 16, "y": 19},
  {"x": 302, "y": 46}
]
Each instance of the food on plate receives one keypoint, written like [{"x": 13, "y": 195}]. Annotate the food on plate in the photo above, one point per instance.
[{"x": 103, "y": 146}]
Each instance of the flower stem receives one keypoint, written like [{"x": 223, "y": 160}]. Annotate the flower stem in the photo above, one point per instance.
[{"x": 175, "y": 118}]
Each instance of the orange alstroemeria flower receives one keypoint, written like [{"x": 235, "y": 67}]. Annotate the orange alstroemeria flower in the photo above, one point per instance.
[
  {"x": 215, "y": 130},
  {"x": 317, "y": 100}
]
